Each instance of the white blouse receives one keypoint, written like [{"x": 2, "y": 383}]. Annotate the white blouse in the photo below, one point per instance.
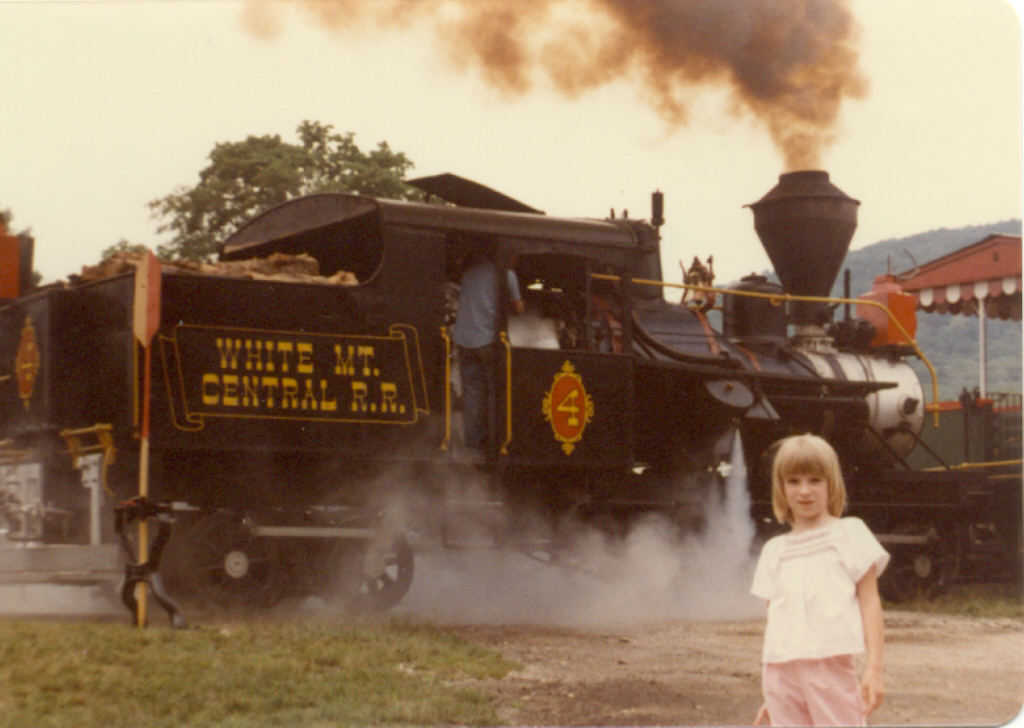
[{"x": 810, "y": 582}]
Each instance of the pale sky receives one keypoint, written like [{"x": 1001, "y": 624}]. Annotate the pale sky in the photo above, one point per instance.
[{"x": 108, "y": 105}]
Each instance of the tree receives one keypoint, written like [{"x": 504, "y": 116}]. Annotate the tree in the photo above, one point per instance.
[
  {"x": 123, "y": 246},
  {"x": 7, "y": 221},
  {"x": 244, "y": 178}
]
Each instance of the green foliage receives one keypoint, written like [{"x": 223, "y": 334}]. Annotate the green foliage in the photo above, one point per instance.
[
  {"x": 951, "y": 344},
  {"x": 123, "y": 246},
  {"x": 991, "y": 601},
  {"x": 256, "y": 674},
  {"x": 247, "y": 177},
  {"x": 7, "y": 221}
]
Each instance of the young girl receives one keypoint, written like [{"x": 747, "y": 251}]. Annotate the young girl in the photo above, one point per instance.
[{"x": 821, "y": 583}]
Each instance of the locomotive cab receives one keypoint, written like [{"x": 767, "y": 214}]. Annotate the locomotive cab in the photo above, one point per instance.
[{"x": 597, "y": 379}]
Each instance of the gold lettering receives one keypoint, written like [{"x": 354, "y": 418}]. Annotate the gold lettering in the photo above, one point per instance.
[
  {"x": 268, "y": 363},
  {"x": 344, "y": 367},
  {"x": 228, "y": 350},
  {"x": 250, "y": 391},
  {"x": 359, "y": 392},
  {"x": 327, "y": 405},
  {"x": 285, "y": 348},
  {"x": 267, "y": 374},
  {"x": 366, "y": 353},
  {"x": 305, "y": 363},
  {"x": 308, "y": 396},
  {"x": 270, "y": 387},
  {"x": 289, "y": 393},
  {"x": 211, "y": 389},
  {"x": 229, "y": 397},
  {"x": 253, "y": 355},
  {"x": 389, "y": 397}
]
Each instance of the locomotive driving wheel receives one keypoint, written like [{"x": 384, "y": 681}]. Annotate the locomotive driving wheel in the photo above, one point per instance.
[
  {"x": 231, "y": 566},
  {"x": 373, "y": 575},
  {"x": 920, "y": 570}
]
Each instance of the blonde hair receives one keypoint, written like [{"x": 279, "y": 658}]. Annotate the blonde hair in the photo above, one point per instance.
[{"x": 806, "y": 455}]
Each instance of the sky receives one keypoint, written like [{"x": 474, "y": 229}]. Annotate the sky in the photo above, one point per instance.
[{"x": 109, "y": 105}]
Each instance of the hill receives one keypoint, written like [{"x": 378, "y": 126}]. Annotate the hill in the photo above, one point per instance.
[{"x": 950, "y": 342}]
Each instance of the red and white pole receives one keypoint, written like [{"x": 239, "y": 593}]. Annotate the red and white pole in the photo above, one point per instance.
[{"x": 145, "y": 325}]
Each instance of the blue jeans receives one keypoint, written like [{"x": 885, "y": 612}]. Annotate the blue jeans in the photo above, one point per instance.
[{"x": 477, "y": 369}]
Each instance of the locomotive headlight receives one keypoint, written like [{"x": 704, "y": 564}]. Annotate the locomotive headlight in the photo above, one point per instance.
[{"x": 730, "y": 392}]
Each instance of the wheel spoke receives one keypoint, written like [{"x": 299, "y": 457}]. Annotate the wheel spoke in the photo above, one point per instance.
[
  {"x": 230, "y": 566},
  {"x": 379, "y": 591}
]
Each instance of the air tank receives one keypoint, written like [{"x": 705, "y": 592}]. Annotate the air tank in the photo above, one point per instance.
[{"x": 755, "y": 320}]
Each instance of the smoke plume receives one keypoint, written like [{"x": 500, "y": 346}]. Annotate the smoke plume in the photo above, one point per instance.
[{"x": 787, "y": 63}]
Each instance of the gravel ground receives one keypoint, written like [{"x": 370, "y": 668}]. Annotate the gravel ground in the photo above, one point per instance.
[{"x": 940, "y": 670}]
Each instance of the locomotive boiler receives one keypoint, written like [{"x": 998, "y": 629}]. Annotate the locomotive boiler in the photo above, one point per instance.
[{"x": 288, "y": 417}]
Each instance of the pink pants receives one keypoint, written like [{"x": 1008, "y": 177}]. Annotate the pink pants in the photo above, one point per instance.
[{"x": 813, "y": 692}]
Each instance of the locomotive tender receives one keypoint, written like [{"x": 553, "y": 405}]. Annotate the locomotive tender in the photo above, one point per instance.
[{"x": 285, "y": 416}]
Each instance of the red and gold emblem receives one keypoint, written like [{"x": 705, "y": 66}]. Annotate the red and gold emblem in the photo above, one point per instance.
[
  {"x": 568, "y": 407},
  {"x": 26, "y": 362}
]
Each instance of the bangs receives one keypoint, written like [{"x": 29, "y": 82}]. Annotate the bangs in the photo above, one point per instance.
[{"x": 802, "y": 461}]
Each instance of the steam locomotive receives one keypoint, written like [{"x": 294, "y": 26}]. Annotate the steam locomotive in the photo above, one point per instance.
[{"x": 286, "y": 419}]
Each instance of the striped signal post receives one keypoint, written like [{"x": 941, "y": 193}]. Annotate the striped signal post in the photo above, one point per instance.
[{"x": 145, "y": 324}]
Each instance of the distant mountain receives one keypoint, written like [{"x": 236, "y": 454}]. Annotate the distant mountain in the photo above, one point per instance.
[
  {"x": 950, "y": 342},
  {"x": 903, "y": 254}
]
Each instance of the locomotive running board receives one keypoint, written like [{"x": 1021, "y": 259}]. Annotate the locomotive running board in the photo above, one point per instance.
[{"x": 902, "y": 539}]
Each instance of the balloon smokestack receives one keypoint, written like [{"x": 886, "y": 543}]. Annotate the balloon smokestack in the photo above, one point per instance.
[{"x": 806, "y": 224}]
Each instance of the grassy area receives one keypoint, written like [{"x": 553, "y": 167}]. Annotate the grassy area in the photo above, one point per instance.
[
  {"x": 974, "y": 600},
  {"x": 251, "y": 674}
]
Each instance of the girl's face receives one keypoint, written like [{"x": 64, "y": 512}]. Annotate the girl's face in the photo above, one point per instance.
[{"x": 807, "y": 498}]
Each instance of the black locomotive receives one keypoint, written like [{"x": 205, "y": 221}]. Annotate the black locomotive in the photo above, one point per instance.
[{"x": 288, "y": 418}]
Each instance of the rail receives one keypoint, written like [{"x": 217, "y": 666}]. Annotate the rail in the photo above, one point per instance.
[
  {"x": 506, "y": 344},
  {"x": 1005, "y": 401},
  {"x": 778, "y": 298},
  {"x": 104, "y": 444},
  {"x": 982, "y": 466}
]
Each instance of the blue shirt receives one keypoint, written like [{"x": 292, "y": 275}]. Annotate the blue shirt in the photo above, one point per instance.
[{"x": 477, "y": 319}]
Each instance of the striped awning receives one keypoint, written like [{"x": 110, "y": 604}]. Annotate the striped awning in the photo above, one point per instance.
[{"x": 986, "y": 274}]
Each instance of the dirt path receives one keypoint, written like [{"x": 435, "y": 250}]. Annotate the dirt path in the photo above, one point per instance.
[{"x": 940, "y": 670}]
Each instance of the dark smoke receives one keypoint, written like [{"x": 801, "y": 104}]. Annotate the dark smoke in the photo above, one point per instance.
[{"x": 789, "y": 63}]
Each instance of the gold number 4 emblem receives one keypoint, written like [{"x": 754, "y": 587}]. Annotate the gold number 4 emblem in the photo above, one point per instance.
[{"x": 568, "y": 407}]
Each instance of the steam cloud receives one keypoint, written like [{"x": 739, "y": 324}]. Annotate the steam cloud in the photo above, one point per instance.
[
  {"x": 653, "y": 572},
  {"x": 789, "y": 63}
]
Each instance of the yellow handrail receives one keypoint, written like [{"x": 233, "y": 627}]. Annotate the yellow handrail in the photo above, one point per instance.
[
  {"x": 508, "y": 393},
  {"x": 104, "y": 443},
  {"x": 982, "y": 466},
  {"x": 778, "y": 298},
  {"x": 447, "y": 388}
]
